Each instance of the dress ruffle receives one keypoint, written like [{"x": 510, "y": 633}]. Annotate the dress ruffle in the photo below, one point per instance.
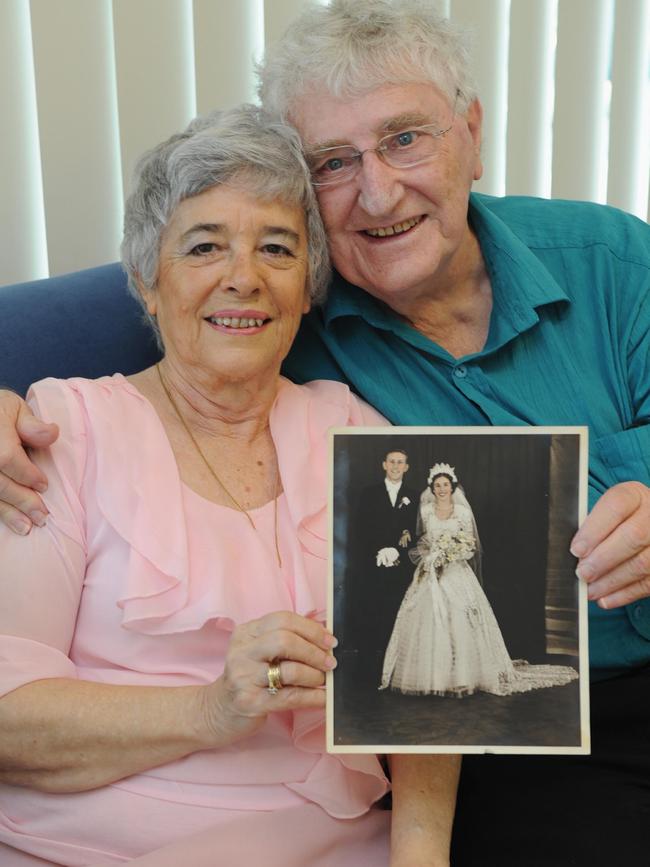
[
  {"x": 140, "y": 494},
  {"x": 157, "y": 598}
]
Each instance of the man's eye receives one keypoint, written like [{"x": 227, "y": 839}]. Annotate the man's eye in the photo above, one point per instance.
[
  {"x": 404, "y": 139},
  {"x": 331, "y": 165},
  {"x": 334, "y": 164},
  {"x": 203, "y": 249}
]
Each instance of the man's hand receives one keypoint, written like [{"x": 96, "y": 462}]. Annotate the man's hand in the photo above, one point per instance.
[
  {"x": 387, "y": 557},
  {"x": 613, "y": 546},
  {"x": 404, "y": 539},
  {"x": 20, "y": 506}
]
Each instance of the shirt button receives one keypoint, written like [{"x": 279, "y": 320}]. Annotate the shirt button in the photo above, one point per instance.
[{"x": 460, "y": 372}]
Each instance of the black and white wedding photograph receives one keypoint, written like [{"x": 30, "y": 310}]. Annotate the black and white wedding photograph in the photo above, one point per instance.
[{"x": 453, "y": 595}]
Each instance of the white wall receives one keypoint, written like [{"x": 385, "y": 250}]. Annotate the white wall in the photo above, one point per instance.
[{"x": 87, "y": 85}]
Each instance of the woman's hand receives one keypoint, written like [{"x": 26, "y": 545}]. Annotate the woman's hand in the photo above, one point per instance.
[
  {"x": 20, "y": 505},
  {"x": 237, "y": 703}
]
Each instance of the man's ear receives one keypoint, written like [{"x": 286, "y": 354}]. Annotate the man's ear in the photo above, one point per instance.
[{"x": 474, "y": 118}]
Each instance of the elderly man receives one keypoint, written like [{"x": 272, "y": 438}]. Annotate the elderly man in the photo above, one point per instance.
[{"x": 451, "y": 308}]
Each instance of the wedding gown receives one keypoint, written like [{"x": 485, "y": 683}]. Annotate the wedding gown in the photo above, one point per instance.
[{"x": 446, "y": 639}]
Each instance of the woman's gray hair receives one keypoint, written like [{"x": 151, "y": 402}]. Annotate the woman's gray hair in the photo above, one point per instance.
[
  {"x": 243, "y": 145},
  {"x": 351, "y": 47}
]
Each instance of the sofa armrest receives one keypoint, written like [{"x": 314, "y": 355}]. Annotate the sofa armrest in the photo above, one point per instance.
[{"x": 80, "y": 324}]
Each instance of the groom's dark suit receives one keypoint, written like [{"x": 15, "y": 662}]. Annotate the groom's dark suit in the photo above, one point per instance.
[{"x": 377, "y": 591}]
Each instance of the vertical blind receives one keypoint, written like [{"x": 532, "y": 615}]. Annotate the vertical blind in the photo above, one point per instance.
[{"x": 87, "y": 85}]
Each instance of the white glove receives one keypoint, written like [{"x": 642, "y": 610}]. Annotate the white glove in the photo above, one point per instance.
[{"x": 387, "y": 556}]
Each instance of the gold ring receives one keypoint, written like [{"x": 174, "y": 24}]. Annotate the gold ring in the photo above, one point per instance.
[{"x": 273, "y": 677}]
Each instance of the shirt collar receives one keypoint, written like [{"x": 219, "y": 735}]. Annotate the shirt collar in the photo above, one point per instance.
[
  {"x": 393, "y": 485},
  {"x": 511, "y": 264}
]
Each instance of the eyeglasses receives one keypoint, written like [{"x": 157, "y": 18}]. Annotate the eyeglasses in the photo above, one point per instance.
[{"x": 401, "y": 150}]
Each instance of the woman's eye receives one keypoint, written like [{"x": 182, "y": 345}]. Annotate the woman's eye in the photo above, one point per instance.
[
  {"x": 277, "y": 250},
  {"x": 203, "y": 249}
]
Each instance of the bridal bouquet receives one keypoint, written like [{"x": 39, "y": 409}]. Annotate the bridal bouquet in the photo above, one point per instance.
[{"x": 450, "y": 547}]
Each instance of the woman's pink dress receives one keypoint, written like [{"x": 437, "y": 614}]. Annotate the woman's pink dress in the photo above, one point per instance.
[{"x": 136, "y": 579}]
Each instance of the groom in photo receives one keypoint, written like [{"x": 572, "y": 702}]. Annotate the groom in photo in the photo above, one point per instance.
[{"x": 383, "y": 533}]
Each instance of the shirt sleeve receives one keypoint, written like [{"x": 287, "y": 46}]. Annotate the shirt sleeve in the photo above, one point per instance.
[
  {"x": 624, "y": 455},
  {"x": 639, "y": 358},
  {"x": 42, "y": 574}
]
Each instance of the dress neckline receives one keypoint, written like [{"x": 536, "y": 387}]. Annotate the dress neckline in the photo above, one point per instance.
[
  {"x": 206, "y": 503},
  {"x": 448, "y": 517}
]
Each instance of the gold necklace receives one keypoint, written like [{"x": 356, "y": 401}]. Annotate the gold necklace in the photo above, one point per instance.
[{"x": 214, "y": 475}]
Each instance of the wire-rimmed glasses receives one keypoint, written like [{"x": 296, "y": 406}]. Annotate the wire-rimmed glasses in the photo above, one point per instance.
[{"x": 401, "y": 150}]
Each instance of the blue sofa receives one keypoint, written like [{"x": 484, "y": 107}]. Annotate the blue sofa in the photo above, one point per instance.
[{"x": 81, "y": 324}]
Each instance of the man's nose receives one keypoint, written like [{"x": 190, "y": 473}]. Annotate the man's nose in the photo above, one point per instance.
[{"x": 380, "y": 186}]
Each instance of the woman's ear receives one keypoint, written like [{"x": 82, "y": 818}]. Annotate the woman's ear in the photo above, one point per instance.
[{"x": 148, "y": 296}]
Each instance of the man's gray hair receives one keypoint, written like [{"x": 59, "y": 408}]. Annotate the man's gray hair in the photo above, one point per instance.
[
  {"x": 244, "y": 146},
  {"x": 351, "y": 47}
]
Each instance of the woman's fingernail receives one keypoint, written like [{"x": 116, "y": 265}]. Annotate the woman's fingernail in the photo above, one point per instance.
[
  {"x": 330, "y": 662},
  {"x": 20, "y": 526},
  {"x": 41, "y": 487},
  {"x": 38, "y": 518},
  {"x": 330, "y": 640}
]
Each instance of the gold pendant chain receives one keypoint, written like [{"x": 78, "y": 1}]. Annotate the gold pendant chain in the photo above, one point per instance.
[{"x": 214, "y": 475}]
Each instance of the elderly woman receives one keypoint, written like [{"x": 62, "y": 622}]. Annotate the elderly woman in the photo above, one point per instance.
[{"x": 163, "y": 652}]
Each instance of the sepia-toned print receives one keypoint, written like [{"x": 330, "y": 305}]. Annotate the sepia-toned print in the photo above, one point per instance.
[{"x": 461, "y": 625}]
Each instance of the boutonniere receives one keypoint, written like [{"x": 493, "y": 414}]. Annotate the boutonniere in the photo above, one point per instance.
[{"x": 404, "y": 502}]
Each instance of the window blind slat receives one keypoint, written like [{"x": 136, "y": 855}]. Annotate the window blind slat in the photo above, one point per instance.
[
  {"x": 488, "y": 21},
  {"x": 228, "y": 36},
  {"x": 154, "y": 72},
  {"x": 23, "y": 247},
  {"x": 77, "y": 118},
  {"x": 629, "y": 146},
  {"x": 579, "y": 124},
  {"x": 277, "y": 15},
  {"x": 530, "y": 95}
]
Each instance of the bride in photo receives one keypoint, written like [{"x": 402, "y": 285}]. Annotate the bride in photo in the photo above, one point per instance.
[{"x": 446, "y": 640}]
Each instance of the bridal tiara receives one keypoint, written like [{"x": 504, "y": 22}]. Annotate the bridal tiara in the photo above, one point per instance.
[{"x": 436, "y": 469}]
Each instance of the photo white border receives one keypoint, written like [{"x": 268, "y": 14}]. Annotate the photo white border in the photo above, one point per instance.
[{"x": 584, "y": 748}]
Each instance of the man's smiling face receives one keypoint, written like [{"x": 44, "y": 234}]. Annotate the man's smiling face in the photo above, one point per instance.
[
  {"x": 395, "y": 466},
  {"x": 423, "y": 207}
]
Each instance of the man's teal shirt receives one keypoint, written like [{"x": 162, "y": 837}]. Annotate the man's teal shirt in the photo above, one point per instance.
[{"x": 568, "y": 344}]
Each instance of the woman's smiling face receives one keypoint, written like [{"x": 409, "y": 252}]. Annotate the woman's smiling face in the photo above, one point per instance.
[
  {"x": 442, "y": 488},
  {"x": 232, "y": 282}
]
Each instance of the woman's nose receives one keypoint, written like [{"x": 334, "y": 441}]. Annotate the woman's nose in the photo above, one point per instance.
[
  {"x": 243, "y": 277},
  {"x": 380, "y": 186}
]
